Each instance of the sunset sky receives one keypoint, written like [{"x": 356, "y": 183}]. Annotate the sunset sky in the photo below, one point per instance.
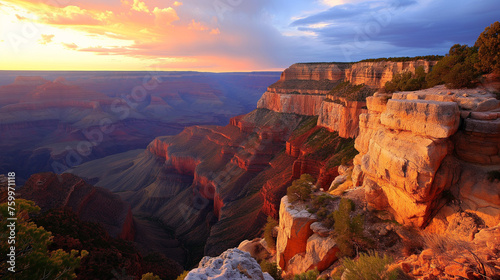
[{"x": 229, "y": 35}]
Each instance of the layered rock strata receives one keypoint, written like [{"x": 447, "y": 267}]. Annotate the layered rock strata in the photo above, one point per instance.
[
  {"x": 303, "y": 87},
  {"x": 418, "y": 144}
]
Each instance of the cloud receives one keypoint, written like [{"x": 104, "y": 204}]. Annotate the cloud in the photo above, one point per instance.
[
  {"x": 261, "y": 34},
  {"x": 389, "y": 28},
  {"x": 71, "y": 46},
  {"x": 140, "y": 6},
  {"x": 46, "y": 38},
  {"x": 197, "y": 26},
  {"x": 21, "y": 18},
  {"x": 165, "y": 16}
]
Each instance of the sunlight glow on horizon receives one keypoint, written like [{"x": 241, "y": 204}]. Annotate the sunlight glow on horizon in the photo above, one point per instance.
[
  {"x": 135, "y": 36},
  {"x": 227, "y": 35}
]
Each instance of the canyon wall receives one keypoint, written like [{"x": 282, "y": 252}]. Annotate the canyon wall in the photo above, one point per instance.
[
  {"x": 303, "y": 87},
  {"x": 376, "y": 74},
  {"x": 300, "y": 104},
  {"x": 417, "y": 147},
  {"x": 343, "y": 118}
]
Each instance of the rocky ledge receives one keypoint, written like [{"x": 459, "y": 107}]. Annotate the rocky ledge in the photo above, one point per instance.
[{"x": 417, "y": 150}]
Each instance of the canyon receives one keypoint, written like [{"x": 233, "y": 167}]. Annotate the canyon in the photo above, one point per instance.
[
  {"x": 52, "y": 121},
  {"x": 422, "y": 157},
  {"x": 215, "y": 185}
]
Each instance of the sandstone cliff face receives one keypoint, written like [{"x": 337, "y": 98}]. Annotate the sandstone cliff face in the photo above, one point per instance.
[
  {"x": 300, "y": 246},
  {"x": 411, "y": 150},
  {"x": 342, "y": 118},
  {"x": 308, "y": 105},
  {"x": 315, "y": 71},
  {"x": 303, "y": 86},
  {"x": 376, "y": 74}
]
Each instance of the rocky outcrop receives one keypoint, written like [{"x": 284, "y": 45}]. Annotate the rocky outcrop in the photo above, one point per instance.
[
  {"x": 90, "y": 203},
  {"x": 315, "y": 71},
  {"x": 301, "y": 104},
  {"x": 376, "y": 74},
  {"x": 342, "y": 118},
  {"x": 230, "y": 265},
  {"x": 301, "y": 244},
  {"x": 303, "y": 87},
  {"x": 411, "y": 150}
]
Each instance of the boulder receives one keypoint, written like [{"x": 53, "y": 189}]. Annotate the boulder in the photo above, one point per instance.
[
  {"x": 255, "y": 249},
  {"x": 320, "y": 254},
  {"x": 231, "y": 265},
  {"x": 489, "y": 238}
]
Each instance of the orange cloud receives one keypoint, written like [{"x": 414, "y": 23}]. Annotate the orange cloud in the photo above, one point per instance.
[
  {"x": 165, "y": 16},
  {"x": 134, "y": 30},
  {"x": 197, "y": 26},
  {"x": 71, "y": 46},
  {"x": 140, "y": 6},
  {"x": 21, "y": 18},
  {"x": 46, "y": 38}
]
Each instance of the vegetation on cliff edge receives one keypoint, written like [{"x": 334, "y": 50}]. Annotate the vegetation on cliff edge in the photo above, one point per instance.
[{"x": 462, "y": 67}]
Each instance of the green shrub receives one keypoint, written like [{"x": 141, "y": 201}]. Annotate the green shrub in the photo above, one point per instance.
[
  {"x": 329, "y": 221},
  {"x": 322, "y": 213},
  {"x": 347, "y": 230},
  {"x": 321, "y": 200},
  {"x": 407, "y": 81},
  {"x": 300, "y": 189},
  {"x": 150, "y": 276},
  {"x": 404, "y": 58},
  {"x": 272, "y": 269},
  {"x": 350, "y": 92},
  {"x": 456, "y": 69},
  {"x": 368, "y": 267},
  {"x": 309, "y": 275},
  {"x": 488, "y": 44},
  {"x": 268, "y": 232},
  {"x": 182, "y": 276}
]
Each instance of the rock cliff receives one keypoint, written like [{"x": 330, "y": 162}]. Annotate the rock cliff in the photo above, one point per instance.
[
  {"x": 303, "y": 87},
  {"x": 343, "y": 118},
  {"x": 376, "y": 74},
  {"x": 419, "y": 146}
]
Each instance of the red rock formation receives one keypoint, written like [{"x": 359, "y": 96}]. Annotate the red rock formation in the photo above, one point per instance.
[
  {"x": 342, "y": 118},
  {"x": 409, "y": 147},
  {"x": 315, "y": 71},
  {"x": 376, "y": 74},
  {"x": 90, "y": 203},
  {"x": 308, "y": 105},
  {"x": 298, "y": 247}
]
